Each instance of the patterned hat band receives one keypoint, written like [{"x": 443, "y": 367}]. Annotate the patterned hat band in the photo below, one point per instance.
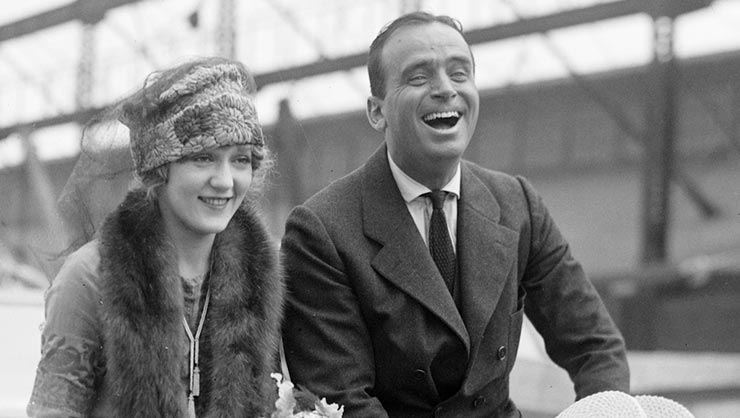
[
  {"x": 227, "y": 120},
  {"x": 208, "y": 108}
]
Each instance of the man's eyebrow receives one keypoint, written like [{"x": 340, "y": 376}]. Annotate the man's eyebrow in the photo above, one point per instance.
[
  {"x": 460, "y": 59},
  {"x": 463, "y": 59},
  {"x": 416, "y": 64},
  {"x": 413, "y": 67}
]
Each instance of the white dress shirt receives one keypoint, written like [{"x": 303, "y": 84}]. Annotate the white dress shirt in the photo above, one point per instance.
[{"x": 420, "y": 207}]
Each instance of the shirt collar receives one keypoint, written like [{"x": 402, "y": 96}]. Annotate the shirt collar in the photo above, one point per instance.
[{"x": 411, "y": 189}]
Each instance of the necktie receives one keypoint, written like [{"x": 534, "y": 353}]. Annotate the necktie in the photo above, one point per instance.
[{"x": 440, "y": 244}]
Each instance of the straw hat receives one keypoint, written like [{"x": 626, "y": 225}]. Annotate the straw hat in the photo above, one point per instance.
[{"x": 613, "y": 404}]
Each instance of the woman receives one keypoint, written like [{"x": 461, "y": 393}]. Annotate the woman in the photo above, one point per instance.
[{"x": 174, "y": 309}]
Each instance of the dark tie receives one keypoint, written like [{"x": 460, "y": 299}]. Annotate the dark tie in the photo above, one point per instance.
[{"x": 440, "y": 244}]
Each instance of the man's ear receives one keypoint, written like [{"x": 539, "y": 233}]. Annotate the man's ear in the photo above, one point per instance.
[{"x": 375, "y": 113}]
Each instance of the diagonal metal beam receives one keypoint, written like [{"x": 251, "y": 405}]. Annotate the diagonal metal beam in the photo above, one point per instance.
[
  {"x": 528, "y": 26},
  {"x": 603, "y": 11},
  {"x": 79, "y": 116},
  {"x": 540, "y": 24},
  {"x": 617, "y": 114},
  {"x": 78, "y": 10}
]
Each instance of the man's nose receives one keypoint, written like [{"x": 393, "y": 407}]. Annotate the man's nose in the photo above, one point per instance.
[{"x": 444, "y": 87}]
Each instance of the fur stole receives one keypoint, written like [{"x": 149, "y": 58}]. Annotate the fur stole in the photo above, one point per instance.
[{"x": 142, "y": 309}]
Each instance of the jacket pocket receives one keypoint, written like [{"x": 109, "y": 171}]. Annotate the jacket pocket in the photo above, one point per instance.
[{"x": 516, "y": 320}]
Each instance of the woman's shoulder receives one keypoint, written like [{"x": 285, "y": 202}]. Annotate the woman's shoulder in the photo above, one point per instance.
[
  {"x": 80, "y": 269},
  {"x": 73, "y": 299}
]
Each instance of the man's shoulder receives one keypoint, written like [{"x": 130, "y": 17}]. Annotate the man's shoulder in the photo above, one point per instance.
[
  {"x": 487, "y": 173},
  {"x": 498, "y": 181},
  {"x": 513, "y": 193},
  {"x": 340, "y": 192}
]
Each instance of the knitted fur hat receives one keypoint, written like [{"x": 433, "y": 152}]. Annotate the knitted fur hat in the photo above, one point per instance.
[{"x": 196, "y": 106}]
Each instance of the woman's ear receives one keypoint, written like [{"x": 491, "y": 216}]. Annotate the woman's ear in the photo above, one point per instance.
[{"x": 375, "y": 113}]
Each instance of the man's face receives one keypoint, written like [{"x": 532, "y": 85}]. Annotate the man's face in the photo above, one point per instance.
[{"x": 430, "y": 107}]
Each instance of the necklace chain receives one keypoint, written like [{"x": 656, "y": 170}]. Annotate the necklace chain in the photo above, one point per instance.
[{"x": 194, "y": 371}]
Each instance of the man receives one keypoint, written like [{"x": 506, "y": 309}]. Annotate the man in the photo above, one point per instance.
[{"x": 371, "y": 323}]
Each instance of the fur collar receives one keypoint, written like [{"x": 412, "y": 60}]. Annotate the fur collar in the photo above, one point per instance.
[{"x": 142, "y": 311}]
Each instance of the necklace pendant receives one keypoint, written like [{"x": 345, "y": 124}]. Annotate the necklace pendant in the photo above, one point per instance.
[
  {"x": 196, "y": 381},
  {"x": 191, "y": 406}
]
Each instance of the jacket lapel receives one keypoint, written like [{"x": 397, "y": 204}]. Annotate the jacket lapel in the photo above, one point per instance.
[
  {"x": 404, "y": 258},
  {"x": 485, "y": 254}
]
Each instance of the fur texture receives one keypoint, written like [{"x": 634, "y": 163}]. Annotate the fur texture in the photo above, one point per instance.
[{"x": 142, "y": 311}]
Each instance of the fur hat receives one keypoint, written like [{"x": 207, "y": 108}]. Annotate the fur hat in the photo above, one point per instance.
[{"x": 200, "y": 105}]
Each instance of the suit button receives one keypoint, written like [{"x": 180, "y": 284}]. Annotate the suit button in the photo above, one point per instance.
[
  {"x": 478, "y": 402},
  {"x": 419, "y": 375},
  {"x": 501, "y": 353}
]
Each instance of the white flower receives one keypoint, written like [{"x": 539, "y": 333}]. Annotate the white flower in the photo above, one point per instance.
[
  {"x": 329, "y": 410},
  {"x": 286, "y": 403}
]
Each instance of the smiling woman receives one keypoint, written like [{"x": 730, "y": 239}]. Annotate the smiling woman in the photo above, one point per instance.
[
  {"x": 205, "y": 190},
  {"x": 148, "y": 318}
]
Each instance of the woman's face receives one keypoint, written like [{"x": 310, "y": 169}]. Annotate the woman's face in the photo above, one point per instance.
[{"x": 204, "y": 190}]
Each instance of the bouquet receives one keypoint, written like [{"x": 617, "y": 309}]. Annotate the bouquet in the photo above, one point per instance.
[{"x": 307, "y": 404}]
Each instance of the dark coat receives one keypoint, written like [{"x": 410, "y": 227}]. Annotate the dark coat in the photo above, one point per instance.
[
  {"x": 140, "y": 321},
  {"x": 370, "y": 324}
]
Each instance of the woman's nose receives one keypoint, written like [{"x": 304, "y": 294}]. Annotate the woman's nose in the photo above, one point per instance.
[{"x": 222, "y": 177}]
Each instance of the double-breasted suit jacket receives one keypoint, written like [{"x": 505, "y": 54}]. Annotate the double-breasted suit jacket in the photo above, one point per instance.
[{"x": 371, "y": 325}]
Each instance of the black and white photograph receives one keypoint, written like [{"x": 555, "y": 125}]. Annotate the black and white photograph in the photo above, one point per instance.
[{"x": 370, "y": 208}]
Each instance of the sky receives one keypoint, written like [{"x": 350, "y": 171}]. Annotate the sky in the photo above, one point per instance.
[{"x": 37, "y": 72}]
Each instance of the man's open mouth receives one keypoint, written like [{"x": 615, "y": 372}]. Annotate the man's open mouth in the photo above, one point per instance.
[{"x": 442, "y": 120}]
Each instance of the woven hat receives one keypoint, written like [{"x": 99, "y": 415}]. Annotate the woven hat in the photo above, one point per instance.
[
  {"x": 613, "y": 404},
  {"x": 659, "y": 407},
  {"x": 197, "y": 106}
]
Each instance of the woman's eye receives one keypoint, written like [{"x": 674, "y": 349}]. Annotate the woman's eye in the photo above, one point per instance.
[
  {"x": 200, "y": 158},
  {"x": 244, "y": 160}
]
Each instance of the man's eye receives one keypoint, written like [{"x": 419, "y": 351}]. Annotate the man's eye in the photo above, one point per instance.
[
  {"x": 459, "y": 76},
  {"x": 417, "y": 79}
]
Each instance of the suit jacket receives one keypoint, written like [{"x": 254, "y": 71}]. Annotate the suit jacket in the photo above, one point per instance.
[{"x": 371, "y": 325}]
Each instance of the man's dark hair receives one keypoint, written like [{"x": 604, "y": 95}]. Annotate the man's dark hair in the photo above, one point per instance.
[{"x": 374, "y": 61}]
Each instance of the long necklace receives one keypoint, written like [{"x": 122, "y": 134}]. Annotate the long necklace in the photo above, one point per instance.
[{"x": 194, "y": 371}]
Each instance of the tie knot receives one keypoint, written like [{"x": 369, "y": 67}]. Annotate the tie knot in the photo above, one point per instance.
[{"x": 438, "y": 198}]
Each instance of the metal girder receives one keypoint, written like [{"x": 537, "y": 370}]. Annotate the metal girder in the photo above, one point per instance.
[
  {"x": 344, "y": 63},
  {"x": 599, "y": 12},
  {"x": 674, "y": 8},
  {"x": 87, "y": 10},
  {"x": 564, "y": 19},
  {"x": 226, "y": 32},
  {"x": 476, "y": 36},
  {"x": 660, "y": 146},
  {"x": 80, "y": 116}
]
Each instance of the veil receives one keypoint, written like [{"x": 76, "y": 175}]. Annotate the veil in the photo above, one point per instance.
[{"x": 100, "y": 179}]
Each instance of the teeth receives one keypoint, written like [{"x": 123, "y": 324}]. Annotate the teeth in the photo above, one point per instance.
[
  {"x": 217, "y": 201},
  {"x": 439, "y": 115}
]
